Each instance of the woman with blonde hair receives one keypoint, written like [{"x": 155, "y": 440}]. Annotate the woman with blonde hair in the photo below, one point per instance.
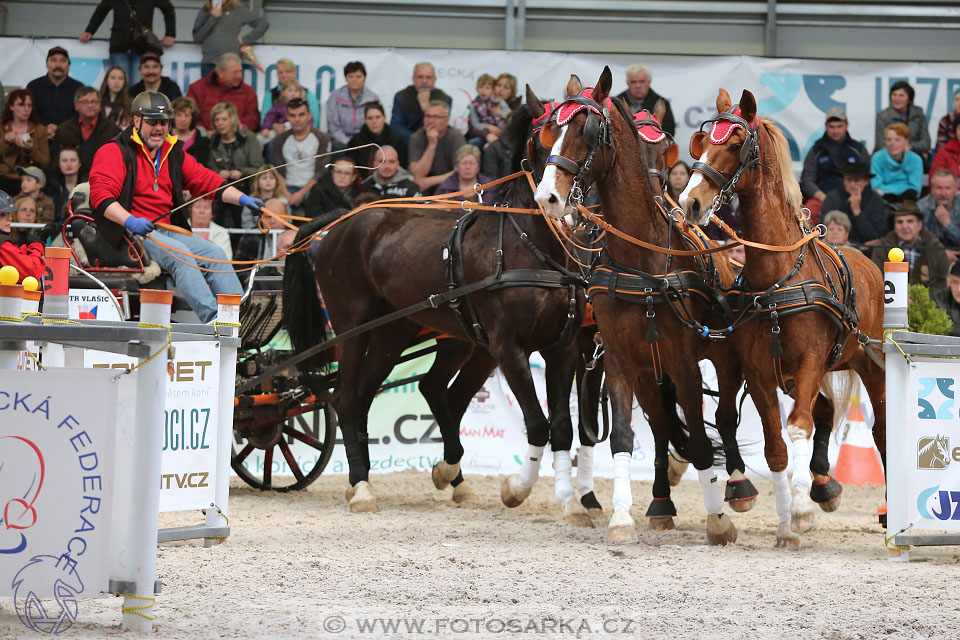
[
  {"x": 26, "y": 213},
  {"x": 234, "y": 154},
  {"x": 115, "y": 98},
  {"x": 268, "y": 185},
  {"x": 466, "y": 174},
  {"x": 506, "y": 89},
  {"x": 217, "y": 30},
  {"x": 287, "y": 70}
]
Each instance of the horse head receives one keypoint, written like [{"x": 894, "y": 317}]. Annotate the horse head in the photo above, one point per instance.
[{"x": 657, "y": 147}]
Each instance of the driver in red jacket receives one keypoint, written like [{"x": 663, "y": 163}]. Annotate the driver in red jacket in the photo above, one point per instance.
[{"x": 28, "y": 257}]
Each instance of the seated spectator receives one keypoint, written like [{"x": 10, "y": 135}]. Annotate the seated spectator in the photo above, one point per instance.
[
  {"x": 948, "y": 298},
  {"x": 941, "y": 211},
  {"x": 898, "y": 171},
  {"x": 88, "y": 131},
  {"x": 640, "y": 96},
  {"x": 301, "y": 144},
  {"x": 54, "y": 93},
  {"x": 64, "y": 179},
  {"x": 376, "y": 130},
  {"x": 466, "y": 175},
  {"x": 838, "y": 229},
  {"x": 203, "y": 226},
  {"x": 335, "y": 190},
  {"x": 234, "y": 154},
  {"x": 432, "y": 148},
  {"x": 286, "y": 70},
  {"x": 947, "y": 129},
  {"x": 487, "y": 113},
  {"x": 828, "y": 155},
  {"x": 261, "y": 246},
  {"x": 410, "y": 104},
  {"x": 948, "y": 156},
  {"x": 152, "y": 78},
  {"x": 506, "y": 90},
  {"x": 389, "y": 179},
  {"x": 24, "y": 140},
  {"x": 27, "y": 214},
  {"x": 27, "y": 257},
  {"x": 865, "y": 207},
  {"x": 275, "y": 121},
  {"x": 225, "y": 84},
  {"x": 268, "y": 185},
  {"x": 497, "y": 160},
  {"x": 921, "y": 249},
  {"x": 903, "y": 111},
  {"x": 677, "y": 179},
  {"x": 346, "y": 106},
  {"x": 115, "y": 99},
  {"x": 121, "y": 33},
  {"x": 32, "y": 181},
  {"x": 217, "y": 30},
  {"x": 186, "y": 117}
]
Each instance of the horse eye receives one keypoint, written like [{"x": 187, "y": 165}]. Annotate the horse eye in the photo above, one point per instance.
[{"x": 736, "y": 146}]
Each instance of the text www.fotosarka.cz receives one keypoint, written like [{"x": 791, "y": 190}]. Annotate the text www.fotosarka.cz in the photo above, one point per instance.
[{"x": 476, "y": 625}]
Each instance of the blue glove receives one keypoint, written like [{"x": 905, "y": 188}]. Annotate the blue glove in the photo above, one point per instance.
[
  {"x": 139, "y": 226},
  {"x": 250, "y": 201}
]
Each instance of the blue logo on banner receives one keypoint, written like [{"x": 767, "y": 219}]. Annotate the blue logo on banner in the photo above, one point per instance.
[{"x": 935, "y": 399}]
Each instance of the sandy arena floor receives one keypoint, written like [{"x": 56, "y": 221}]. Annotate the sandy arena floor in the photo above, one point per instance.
[{"x": 301, "y": 566}]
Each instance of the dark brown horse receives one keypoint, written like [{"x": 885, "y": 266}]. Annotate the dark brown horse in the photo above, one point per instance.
[
  {"x": 644, "y": 338},
  {"x": 810, "y": 315}
]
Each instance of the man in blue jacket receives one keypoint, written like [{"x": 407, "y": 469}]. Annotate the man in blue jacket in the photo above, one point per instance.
[{"x": 821, "y": 168}]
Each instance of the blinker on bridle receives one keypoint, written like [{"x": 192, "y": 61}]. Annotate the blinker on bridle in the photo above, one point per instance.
[{"x": 749, "y": 154}]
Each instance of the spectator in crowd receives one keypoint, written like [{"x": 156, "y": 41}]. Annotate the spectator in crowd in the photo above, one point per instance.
[
  {"x": 376, "y": 130},
  {"x": 32, "y": 182},
  {"x": 389, "y": 179},
  {"x": 121, "y": 33},
  {"x": 186, "y": 117},
  {"x": 921, "y": 249},
  {"x": 640, "y": 96},
  {"x": 948, "y": 298},
  {"x": 346, "y": 106},
  {"x": 497, "y": 159},
  {"x": 506, "y": 90},
  {"x": 948, "y": 156},
  {"x": 301, "y": 144},
  {"x": 27, "y": 214},
  {"x": 28, "y": 257},
  {"x": 115, "y": 99},
  {"x": 286, "y": 70},
  {"x": 410, "y": 104},
  {"x": 838, "y": 229},
  {"x": 217, "y": 31},
  {"x": 335, "y": 190},
  {"x": 738, "y": 254},
  {"x": 261, "y": 246},
  {"x": 433, "y": 148},
  {"x": 203, "y": 226},
  {"x": 225, "y": 84},
  {"x": 24, "y": 139},
  {"x": 828, "y": 155},
  {"x": 64, "y": 178},
  {"x": 152, "y": 78},
  {"x": 677, "y": 179},
  {"x": 898, "y": 171},
  {"x": 903, "y": 111},
  {"x": 54, "y": 92},
  {"x": 487, "y": 113},
  {"x": 466, "y": 175},
  {"x": 268, "y": 185},
  {"x": 275, "y": 120},
  {"x": 941, "y": 211},
  {"x": 865, "y": 207},
  {"x": 234, "y": 154},
  {"x": 947, "y": 129},
  {"x": 88, "y": 131}
]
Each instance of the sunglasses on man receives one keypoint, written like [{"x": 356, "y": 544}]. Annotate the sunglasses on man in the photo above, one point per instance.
[{"x": 156, "y": 122}]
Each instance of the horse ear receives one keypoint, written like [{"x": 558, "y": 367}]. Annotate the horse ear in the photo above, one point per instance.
[
  {"x": 574, "y": 86},
  {"x": 673, "y": 152},
  {"x": 723, "y": 101},
  {"x": 659, "y": 110},
  {"x": 696, "y": 144},
  {"x": 748, "y": 106},
  {"x": 602, "y": 90},
  {"x": 534, "y": 104}
]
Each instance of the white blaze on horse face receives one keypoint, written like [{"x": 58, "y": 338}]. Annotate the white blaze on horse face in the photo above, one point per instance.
[
  {"x": 546, "y": 195},
  {"x": 695, "y": 179}
]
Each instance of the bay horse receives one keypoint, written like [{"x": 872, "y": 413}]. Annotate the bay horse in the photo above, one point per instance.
[
  {"x": 593, "y": 142},
  {"x": 804, "y": 311}
]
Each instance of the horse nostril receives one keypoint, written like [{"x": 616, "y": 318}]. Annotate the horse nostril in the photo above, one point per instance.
[
  {"x": 695, "y": 207},
  {"x": 552, "y": 199}
]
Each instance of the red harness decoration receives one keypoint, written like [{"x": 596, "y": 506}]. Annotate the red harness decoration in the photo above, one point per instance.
[
  {"x": 569, "y": 109},
  {"x": 721, "y": 130},
  {"x": 549, "y": 108},
  {"x": 648, "y": 127}
]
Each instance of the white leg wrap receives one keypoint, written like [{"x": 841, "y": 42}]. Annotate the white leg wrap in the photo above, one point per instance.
[
  {"x": 622, "y": 495},
  {"x": 712, "y": 498},
  {"x": 562, "y": 480},
  {"x": 802, "y": 453},
  {"x": 781, "y": 490},
  {"x": 530, "y": 470},
  {"x": 585, "y": 470}
]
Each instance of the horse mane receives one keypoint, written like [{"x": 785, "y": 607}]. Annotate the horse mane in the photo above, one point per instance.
[
  {"x": 791, "y": 188},
  {"x": 515, "y": 136}
]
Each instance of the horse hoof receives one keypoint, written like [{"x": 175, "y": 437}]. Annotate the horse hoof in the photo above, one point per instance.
[
  {"x": 740, "y": 493},
  {"x": 622, "y": 528},
  {"x": 742, "y": 506},
  {"x": 661, "y": 523},
  {"x": 803, "y": 515},
  {"x": 510, "y": 492},
  {"x": 575, "y": 515},
  {"x": 361, "y": 498},
  {"x": 676, "y": 467},
  {"x": 827, "y": 494},
  {"x": 443, "y": 474},
  {"x": 463, "y": 492},
  {"x": 720, "y": 529},
  {"x": 786, "y": 538}
]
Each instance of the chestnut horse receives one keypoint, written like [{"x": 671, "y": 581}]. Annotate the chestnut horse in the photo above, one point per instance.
[
  {"x": 644, "y": 335},
  {"x": 806, "y": 316}
]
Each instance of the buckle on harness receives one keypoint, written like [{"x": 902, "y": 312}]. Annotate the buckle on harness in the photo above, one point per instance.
[{"x": 435, "y": 300}]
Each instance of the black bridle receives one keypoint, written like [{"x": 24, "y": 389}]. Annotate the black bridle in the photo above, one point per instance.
[{"x": 749, "y": 158}]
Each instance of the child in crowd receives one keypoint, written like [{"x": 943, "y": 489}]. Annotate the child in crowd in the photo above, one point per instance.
[
  {"x": 201, "y": 221},
  {"x": 487, "y": 113},
  {"x": 26, "y": 212},
  {"x": 32, "y": 180},
  {"x": 275, "y": 121},
  {"x": 268, "y": 185}
]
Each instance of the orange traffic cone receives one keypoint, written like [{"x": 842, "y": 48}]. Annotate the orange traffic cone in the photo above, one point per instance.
[{"x": 858, "y": 462}]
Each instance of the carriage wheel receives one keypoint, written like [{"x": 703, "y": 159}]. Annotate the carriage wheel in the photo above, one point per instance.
[{"x": 270, "y": 445}]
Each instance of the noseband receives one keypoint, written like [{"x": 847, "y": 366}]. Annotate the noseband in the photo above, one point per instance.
[{"x": 749, "y": 153}]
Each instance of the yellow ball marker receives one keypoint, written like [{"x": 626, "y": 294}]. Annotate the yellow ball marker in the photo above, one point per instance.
[
  {"x": 895, "y": 255},
  {"x": 30, "y": 284},
  {"x": 9, "y": 275}
]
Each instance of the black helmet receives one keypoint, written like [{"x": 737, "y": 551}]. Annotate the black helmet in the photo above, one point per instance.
[
  {"x": 6, "y": 203},
  {"x": 152, "y": 104}
]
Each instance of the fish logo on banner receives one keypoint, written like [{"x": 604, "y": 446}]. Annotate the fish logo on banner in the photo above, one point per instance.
[
  {"x": 933, "y": 452},
  {"x": 935, "y": 399}
]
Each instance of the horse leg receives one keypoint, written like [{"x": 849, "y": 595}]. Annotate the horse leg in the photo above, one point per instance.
[
  {"x": 800, "y": 430},
  {"x": 621, "y": 528},
  {"x": 825, "y": 490},
  {"x": 588, "y": 399},
  {"x": 740, "y": 493},
  {"x": 661, "y": 511},
  {"x": 677, "y": 463}
]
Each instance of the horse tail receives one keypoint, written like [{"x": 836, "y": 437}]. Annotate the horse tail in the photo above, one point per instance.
[
  {"x": 304, "y": 315},
  {"x": 838, "y": 388}
]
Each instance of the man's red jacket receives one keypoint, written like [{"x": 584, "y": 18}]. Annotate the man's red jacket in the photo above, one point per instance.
[
  {"x": 28, "y": 258},
  {"x": 208, "y": 91}
]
